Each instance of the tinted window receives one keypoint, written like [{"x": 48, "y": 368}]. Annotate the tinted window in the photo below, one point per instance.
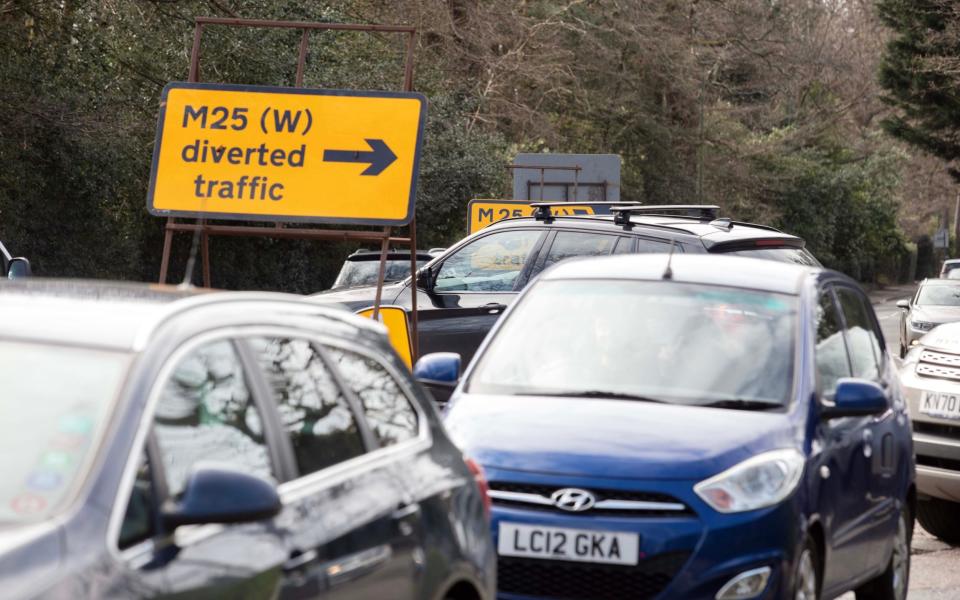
[
  {"x": 138, "y": 521},
  {"x": 831, "y": 352},
  {"x": 568, "y": 244},
  {"x": 312, "y": 407},
  {"x": 648, "y": 246},
  {"x": 206, "y": 413},
  {"x": 624, "y": 246},
  {"x": 387, "y": 410},
  {"x": 862, "y": 342},
  {"x": 492, "y": 263},
  {"x": 797, "y": 256}
]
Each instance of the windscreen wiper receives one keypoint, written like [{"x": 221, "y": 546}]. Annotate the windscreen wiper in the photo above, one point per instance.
[
  {"x": 743, "y": 404},
  {"x": 595, "y": 394}
]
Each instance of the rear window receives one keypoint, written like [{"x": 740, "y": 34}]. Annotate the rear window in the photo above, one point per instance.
[{"x": 798, "y": 256}]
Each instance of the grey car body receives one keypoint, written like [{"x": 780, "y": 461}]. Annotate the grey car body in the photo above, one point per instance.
[
  {"x": 930, "y": 377},
  {"x": 400, "y": 515},
  {"x": 927, "y": 309}
]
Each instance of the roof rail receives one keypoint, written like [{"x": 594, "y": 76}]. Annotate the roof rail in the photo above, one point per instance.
[
  {"x": 701, "y": 212},
  {"x": 542, "y": 210}
]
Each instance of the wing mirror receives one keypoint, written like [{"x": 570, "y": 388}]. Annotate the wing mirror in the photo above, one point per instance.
[
  {"x": 903, "y": 304},
  {"x": 220, "y": 494},
  {"x": 19, "y": 268},
  {"x": 425, "y": 279},
  {"x": 439, "y": 372},
  {"x": 856, "y": 398}
]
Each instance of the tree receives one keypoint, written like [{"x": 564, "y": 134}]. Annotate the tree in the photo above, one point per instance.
[{"x": 920, "y": 72}]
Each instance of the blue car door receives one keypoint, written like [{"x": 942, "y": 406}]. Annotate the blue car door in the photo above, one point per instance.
[
  {"x": 877, "y": 432},
  {"x": 842, "y": 465}
]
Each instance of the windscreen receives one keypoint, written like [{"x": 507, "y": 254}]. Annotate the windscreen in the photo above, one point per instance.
[
  {"x": 939, "y": 295},
  {"x": 56, "y": 401},
  {"x": 665, "y": 341},
  {"x": 364, "y": 272}
]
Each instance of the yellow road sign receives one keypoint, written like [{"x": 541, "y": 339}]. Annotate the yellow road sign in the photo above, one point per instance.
[
  {"x": 394, "y": 318},
  {"x": 286, "y": 154},
  {"x": 483, "y": 213}
]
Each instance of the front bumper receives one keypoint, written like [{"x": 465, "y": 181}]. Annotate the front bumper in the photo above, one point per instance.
[
  {"x": 685, "y": 556},
  {"x": 936, "y": 441}
]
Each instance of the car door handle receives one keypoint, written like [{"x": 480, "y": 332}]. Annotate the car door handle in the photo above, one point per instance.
[
  {"x": 298, "y": 560},
  {"x": 494, "y": 307},
  {"x": 867, "y": 443}
]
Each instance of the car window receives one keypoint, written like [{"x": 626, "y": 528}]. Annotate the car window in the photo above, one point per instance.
[
  {"x": 140, "y": 517},
  {"x": 386, "y": 408},
  {"x": 682, "y": 343},
  {"x": 624, "y": 246},
  {"x": 799, "y": 256},
  {"x": 938, "y": 295},
  {"x": 492, "y": 263},
  {"x": 862, "y": 342},
  {"x": 648, "y": 246},
  {"x": 206, "y": 413},
  {"x": 831, "y": 351},
  {"x": 568, "y": 244},
  {"x": 313, "y": 409}
]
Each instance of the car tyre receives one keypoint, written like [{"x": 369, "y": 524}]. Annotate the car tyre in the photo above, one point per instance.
[
  {"x": 807, "y": 575},
  {"x": 893, "y": 583},
  {"x": 941, "y": 518}
]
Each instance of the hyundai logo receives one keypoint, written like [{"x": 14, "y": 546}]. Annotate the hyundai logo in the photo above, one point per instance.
[{"x": 573, "y": 499}]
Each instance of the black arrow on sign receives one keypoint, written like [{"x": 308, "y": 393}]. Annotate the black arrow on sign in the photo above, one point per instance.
[{"x": 379, "y": 157}]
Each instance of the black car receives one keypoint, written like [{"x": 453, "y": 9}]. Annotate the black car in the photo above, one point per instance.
[
  {"x": 167, "y": 444},
  {"x": 463, "y": 292},
  {"x": 13, "y": 267},
  {"x": 363, "y": 267}
]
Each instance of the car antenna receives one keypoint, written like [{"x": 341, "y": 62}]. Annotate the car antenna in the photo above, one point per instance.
[{"x": 668, "y": 272}]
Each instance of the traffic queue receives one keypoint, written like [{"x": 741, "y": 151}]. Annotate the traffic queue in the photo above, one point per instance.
[{"x": 658, "y": 402}]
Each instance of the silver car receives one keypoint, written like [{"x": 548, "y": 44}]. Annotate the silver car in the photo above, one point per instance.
[
  {"x": 930, "y": 377},
  {"x": 936, "y": 302}
]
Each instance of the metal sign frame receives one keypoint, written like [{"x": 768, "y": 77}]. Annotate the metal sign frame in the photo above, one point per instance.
[{"x": 279, "y": 231}]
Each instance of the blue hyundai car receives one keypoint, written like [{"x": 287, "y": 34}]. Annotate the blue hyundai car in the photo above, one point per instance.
[{"x": 689, "y": 427}]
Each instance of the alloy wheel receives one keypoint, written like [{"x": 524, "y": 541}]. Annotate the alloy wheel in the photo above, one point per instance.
[
  {"x": 901, "y": 561},
  {"x": 806, "y": 577}
]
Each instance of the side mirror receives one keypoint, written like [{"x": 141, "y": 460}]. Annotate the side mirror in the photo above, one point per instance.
[
  {"x": 903, "y": 304},
  {"x": 19, "y": 268},
  {"x": 220, "y": 494},
  {"x": 856, "y": 398},
  {"x": 439, "y": 373},
  {"x": 425, "y": 279}
]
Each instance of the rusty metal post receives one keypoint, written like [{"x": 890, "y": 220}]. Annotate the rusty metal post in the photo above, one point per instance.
[
  {"x": 414, "y": 291},
  {"x": 167, "y": 243},
  {"x": 302, "y": 58},
  {"x": 384, "y": 248},
  {"x": 414, "y": 318},
  {"x": 205, "y": 254}
]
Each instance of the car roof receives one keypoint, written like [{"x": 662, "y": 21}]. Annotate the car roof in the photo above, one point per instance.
[
  {"x": 125, "y": 316},
  {"x": 720, "y": 270},
  {"x": 711, "y": 233}
]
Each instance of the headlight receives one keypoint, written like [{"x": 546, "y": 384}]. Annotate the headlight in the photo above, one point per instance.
[
  {"x": 921, "y": 325},
  {"x": 763, "y": 480}
]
